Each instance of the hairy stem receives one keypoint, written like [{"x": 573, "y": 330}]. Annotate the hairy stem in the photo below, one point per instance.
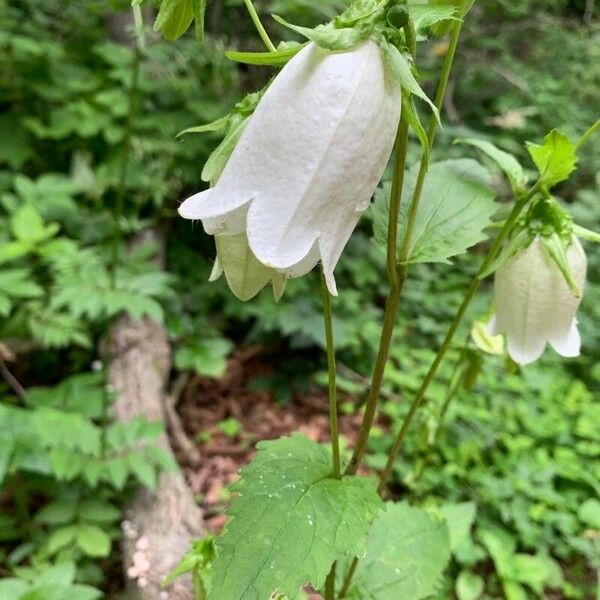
[
  {"x": 264, "y": 36},
  {"x": 518, "y": 207},
  {"x": 333, "y": 413}
]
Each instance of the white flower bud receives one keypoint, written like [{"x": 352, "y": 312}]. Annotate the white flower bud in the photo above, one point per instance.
[
  {"x": 308, "y": 161},
  {"x": 534, "y": 304}
]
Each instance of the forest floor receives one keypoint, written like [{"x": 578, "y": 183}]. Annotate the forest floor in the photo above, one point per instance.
[{"x": 224, "y": 418}]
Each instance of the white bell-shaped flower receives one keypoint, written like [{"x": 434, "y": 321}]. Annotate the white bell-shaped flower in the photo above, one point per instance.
[
  {"x": 308, "y": 160},
  {"x": 534, "y": 304}
]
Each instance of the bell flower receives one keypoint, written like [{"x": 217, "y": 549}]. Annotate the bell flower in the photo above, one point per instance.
[
  {"x": 535, "y": 304},
  {"x": 307, "y": 162}
]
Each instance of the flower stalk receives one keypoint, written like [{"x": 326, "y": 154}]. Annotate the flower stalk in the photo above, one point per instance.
[
  {"x": 264, "y": 36},
  {"x": 517, "y": 209},
  {"x": 333, "y": 413},
  {"x": 397, "y": 273}
]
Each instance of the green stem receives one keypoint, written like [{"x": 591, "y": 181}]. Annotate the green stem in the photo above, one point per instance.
[
  {"x": 330, "y": 584},
  {"x": 333, "y": 413},
  {"x": 348, "y": 578},
  {"x": 587, "y": 135},
  {"x": 431, "y": 132},
  {"x": 397, "y": 275},
  {"x": 456, "y": 379},
  {"x": 392, "y": 302},
  {"x": 473, "y": 287},
  {"x": 264, "y": 36}
]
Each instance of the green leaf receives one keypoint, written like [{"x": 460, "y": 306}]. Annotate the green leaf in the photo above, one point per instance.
[
  {"x": 456, "y": 206},
  {"x": 290, "y": 520},
  {"x": 59, "y": 538},
  {"x": 329, "y": 36},
  {"x": 174, "y": 18},
  {"x": 142, "y": 469},
  {"x": 217, "y": 125},
  {"x": 218, "y": 159},
  {"x": 206, "y": 357},
  {"x": 407, "y": 551},
  {"x": 555, "y": 159},
  {"x": 507, "y": 162},
  {"x": 589, "y": 513},
  {"x": 409, "y": 112},
  {"x": 93, "y": 540},
  {"x": 16, "y": 284},
  {"x": 400, "y": 66},
  {"x": 58, "y": 512},
  {"x": 469, "y": 586},
  {"x": 98, "y": 511},
  {"x": 274, "y": 59},
  {"x": 13, "y": 589},
  {"x": 459, "y": 518},
  {"x": 425, "y": 16}
]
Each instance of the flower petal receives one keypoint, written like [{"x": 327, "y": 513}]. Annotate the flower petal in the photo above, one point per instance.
[
  {"x": 568, "y": 345},
  {"x": 327, "y": 126},
  {"x": 191, "y": 208},
  {"x": 525, "y": 351}
]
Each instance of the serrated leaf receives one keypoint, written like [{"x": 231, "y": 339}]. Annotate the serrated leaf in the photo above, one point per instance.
[
  {"x": 427, "y": 15},
  {"x": 456, "y": 206},
  {"x": 507, "y": 162},
  {"x": 407, "y": 552},
  {"x": 400, "y": 66},
  {"x": 289, "y": 522},
  {"x": 555, "y": 159}
]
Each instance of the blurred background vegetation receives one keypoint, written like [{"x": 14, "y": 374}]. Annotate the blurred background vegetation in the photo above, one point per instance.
[{"x": 87, "y": 132}]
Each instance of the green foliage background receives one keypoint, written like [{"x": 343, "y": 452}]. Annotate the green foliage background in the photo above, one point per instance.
[{"x": 87, "y": 127}]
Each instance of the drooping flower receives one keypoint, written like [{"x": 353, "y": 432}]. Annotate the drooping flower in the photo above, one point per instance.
[
  {"x": 536, "y": 305},
  {"x": 307, "y": 163}
]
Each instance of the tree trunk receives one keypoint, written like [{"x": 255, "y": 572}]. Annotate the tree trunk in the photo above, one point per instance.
[{"x": 159, "y": 525}]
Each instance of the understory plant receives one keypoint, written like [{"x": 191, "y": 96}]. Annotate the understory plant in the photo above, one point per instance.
[{"x": 298, "y": 165}]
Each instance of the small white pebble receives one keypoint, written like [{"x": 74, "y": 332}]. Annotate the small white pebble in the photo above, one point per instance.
[
  {"x": 97, "y": 365},
  {"x": 164, "y": 595},
  {"x": 142, "y": 582}
]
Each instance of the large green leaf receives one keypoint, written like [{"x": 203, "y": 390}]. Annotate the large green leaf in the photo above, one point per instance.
[
  {"x": 456, "y": 206},
  {"x": 407, "y": 551},
  {"x": 290, "y": 520}
]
